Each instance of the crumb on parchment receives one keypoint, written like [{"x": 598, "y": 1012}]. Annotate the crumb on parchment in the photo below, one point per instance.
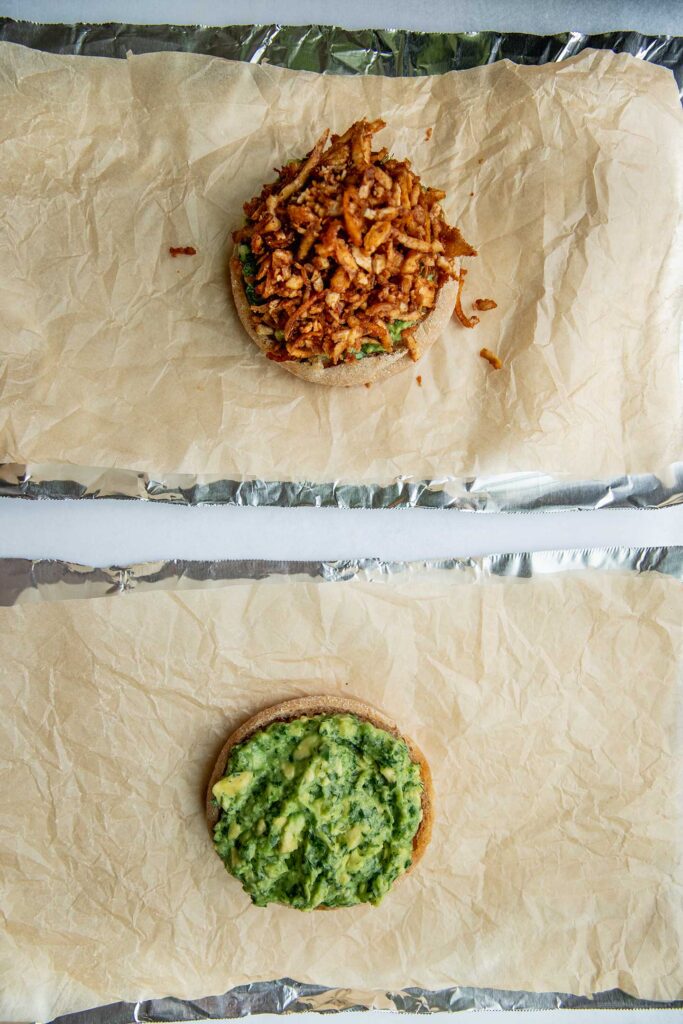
[
  {"x": 419, "y": 380},
  {"x": 182, "y": 250},
  {"x": 483, "y": 304},
  {"x": 491, "y": 358}
]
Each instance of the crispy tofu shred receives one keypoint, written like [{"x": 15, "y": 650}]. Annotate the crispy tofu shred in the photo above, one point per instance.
[
  {"x": 465, "y": 320},
  {"x": 343, "y": 255},
  {"x": 491, "y": 358}
]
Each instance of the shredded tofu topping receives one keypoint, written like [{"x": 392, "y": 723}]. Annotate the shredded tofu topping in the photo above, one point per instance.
[{"x": 344, "y": 254}]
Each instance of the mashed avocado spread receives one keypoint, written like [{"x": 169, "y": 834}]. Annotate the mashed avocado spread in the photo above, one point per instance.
[{"x": 318, "y": 811}]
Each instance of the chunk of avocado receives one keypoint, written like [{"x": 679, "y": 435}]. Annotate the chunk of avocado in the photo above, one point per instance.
[{"x": 231, "y": 785}]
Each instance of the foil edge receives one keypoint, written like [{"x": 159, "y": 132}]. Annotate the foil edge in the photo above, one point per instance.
[
  {"x": 285, "y": 996},
  {"x": 25, "y": 580},
  {"x": 332, "y": 49},
  {"x": 510, "y": 492}
]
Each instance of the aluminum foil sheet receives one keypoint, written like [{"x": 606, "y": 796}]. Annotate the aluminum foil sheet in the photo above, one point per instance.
[
  {"x": 334, "y": 50},
  {"x": 512, "y": 492},
  {"x": 330, "y": 49},
  {"x": 287, "y": 996},
  {"x": 24, "y": 580}
]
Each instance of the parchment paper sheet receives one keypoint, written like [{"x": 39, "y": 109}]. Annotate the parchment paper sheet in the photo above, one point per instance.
[
  {"x": 116, "y": 355},
  {"x": 550, "y": 713}
]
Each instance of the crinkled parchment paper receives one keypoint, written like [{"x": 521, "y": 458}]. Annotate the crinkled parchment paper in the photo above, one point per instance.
[
  {"x": 549, "y": 710},
  {"x": 116, "y": 355}
]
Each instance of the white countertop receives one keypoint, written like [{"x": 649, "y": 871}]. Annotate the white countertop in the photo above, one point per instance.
[
  {"x": 108, "y": 532},
  {"x": 120, "y": 532},
  {"x": 653, "y": 17}
]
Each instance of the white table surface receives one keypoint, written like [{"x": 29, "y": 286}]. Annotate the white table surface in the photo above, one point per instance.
[
  {"x": 116, "y": 533},
  {"x": 121, "y": 532},
  {"x": 541, "y": 16}
]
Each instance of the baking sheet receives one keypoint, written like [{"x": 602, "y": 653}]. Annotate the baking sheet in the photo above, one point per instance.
[
  {"x": 579, "y": 366},
  {"x": 562, "y": 681}
]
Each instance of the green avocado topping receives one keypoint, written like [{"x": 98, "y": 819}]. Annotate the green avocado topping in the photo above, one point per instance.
[
  {"x": 396, "y": 329},
  {"x": 249, "y": 268},
  {"x": 373, "y": 348},
  {"x": 370, "y": 348},
  {"x": 320, "y": 811}
]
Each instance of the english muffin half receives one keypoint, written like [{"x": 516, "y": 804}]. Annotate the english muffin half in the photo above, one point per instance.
[{"x": 320, "y": 803}]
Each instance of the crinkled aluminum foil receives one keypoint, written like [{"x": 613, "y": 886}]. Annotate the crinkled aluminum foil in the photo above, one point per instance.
[
  {"x": 23, "y": 580},
  {"x": 512, "y": 492},
  {"x": 330, "y": 49},
  {"x": 287, "y": 996}
]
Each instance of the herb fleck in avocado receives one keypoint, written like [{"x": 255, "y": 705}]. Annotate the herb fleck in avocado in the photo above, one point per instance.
[
  {"x": 249, "y": 269},
  {"x": 320, "y": 811}
]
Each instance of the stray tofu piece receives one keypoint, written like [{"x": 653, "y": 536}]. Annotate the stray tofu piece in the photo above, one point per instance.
[{"x": 491, "y": 358}]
